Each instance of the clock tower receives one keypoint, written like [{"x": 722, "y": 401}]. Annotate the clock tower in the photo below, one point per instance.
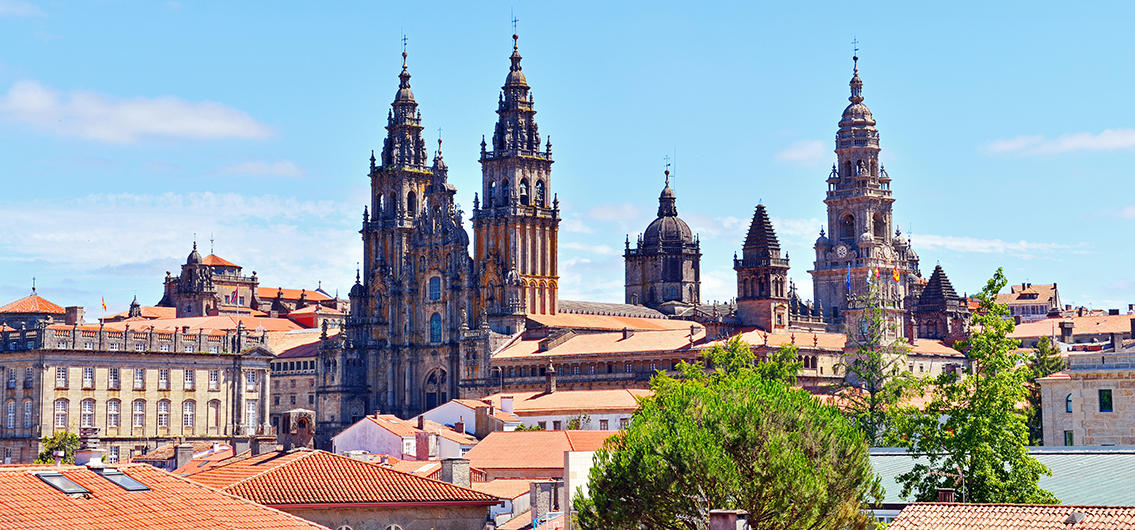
[{"x": 861, "y": 243}]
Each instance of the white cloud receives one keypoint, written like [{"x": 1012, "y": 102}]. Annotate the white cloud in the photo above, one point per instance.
[
  {"x": 19, "y": 8},
  {"x": 804, "y": 152},
  {"x": 623, "y": 211},
  {"x": 122, "y": 121},
  {"x": 573, "y": 224},
  {"x": 283, "y": 168},
  {"x": 1023, "y": 249},
  {"x": 601, "y": 249},
  {"x": 1108, "y": 140},
  {"x": 806, "y": 229}
]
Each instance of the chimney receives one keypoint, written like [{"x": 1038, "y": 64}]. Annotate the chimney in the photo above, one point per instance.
[
  {"x": 240, "y": 445},
  {"x": 945, "y": 494},
  {"x": 1066, "y": 335},
  {"x": 58, "y": 454},
  {"x": 1017, "y": 320},
  {"x": 627, "y": 333},
  {"x": 540, "y": 498},
  {"x": 459, "y": 425},
  {"x": 184, "y": 455},
  {"x": 1116, "y": 342},
  {"x": 455, "y": 471},
  {"x": 89, "y": 453},
  {"x": 74, "y": 315},
  {"x": 506, "y": 404},
  {"x": 422, "y": 446},
  {"x": 422, "y": 422},
  {"x": 1112, "y": 312},
  {"x": 728, "y": 520},
  {"x": 550, "y": 380}
]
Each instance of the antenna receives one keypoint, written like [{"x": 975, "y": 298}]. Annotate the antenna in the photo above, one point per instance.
[
  {"x": 33, "y": 284},
  {"x": 210, "y": 242}
]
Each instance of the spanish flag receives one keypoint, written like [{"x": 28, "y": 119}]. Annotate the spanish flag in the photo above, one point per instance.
[
  {"x": 104, "y": 304},
  {"x": 896, "y": 274}
]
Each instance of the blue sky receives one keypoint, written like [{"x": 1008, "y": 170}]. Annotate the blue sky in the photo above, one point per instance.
[{"x": 128, "y": 127}]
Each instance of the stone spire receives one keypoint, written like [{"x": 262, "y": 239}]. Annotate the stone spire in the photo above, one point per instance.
[
  {"x": 403, "y": 145},
  {"x": 667, "y": 202},
  {"x": 761, "y": 241},
  {"x": 939, "y": 294},
  {"x": 516, "y": 128}
]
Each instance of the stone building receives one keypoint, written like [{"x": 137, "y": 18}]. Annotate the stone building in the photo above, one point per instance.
[
  {"x": 1091, "y": 402},
  {"x": 861, "y": 239},
  {"x": 137, "y": 386},
  {"x": 938, "y": 312},
  {"x": 664, "y": 267},
  {"x": 762, "y": 277}
]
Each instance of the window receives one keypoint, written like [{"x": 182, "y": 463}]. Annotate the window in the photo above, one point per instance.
[
  {"x": 276, "y": 400},
  {"x": 113, "y": 346},
  {"x": 1068, "y": 403},
  {"x": 27, "y": 414},
  {"x": 623, "y": 422},
  {"x": 11, "y": 378},
  {"x": 575, "y": 370},
  {"x": 61, "y": 414},
  {"x": 139, "y": 347},
  {"x": 87, "y": 413},
  {"x": 163, "y": 379},
  {"x": 310, "y": 400},
  {"x": 190, "y": 379},
  {"x": 293, "y": 383},
  {"x": 1068, "y": 440},
  {"x": 188, "y": 348},
  {"x": 89, "y": 345},
  {"x": 112, "y": 379},
  {"x": 88, "y": 377},
  {"x": 113, "y": 455},
  {"x": 250, "y": 381},
  {"x": 188, "y": 409},
  {"x": 557, "y": 426},
  {"x": 602, "y": 425},
  {"x": 164, "y": 347},
  {"x": 139, "y": 378},
  {"x": 542, "y": 424},
  {"x": 435, "y": 328},
  {"x": 250, "y": 415},
  {"x": 60, "y": 377},
  {"x": 630, "y": 367},
  {"x": 293, "y": 400},
  {"x": 1105, "y": 400},
  {"x": 163, "y": 413},
  {"x": 214, "y": 413},
  {"x": 11, "y": 419},
  {"x": 139, "y": 414},
  {"x": 214, "y": 379},
  {"x": 112, "y": 411},
  {"x": 435, "y": 289},
  {"x": 27, "y": 378}
]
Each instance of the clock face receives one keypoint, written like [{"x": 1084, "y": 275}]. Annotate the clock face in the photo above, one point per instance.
[{"x": 841, "y": 251}]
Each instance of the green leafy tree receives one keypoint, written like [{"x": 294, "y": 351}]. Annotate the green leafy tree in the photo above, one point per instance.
[
  {"x": 731, "y": 438},
  {"x": 66, "y": 441},
  {"x": 580, "y": 421},
  {"x": 783, "y": 364},
  {"x": 532, "y": 428},
  {"x": 1045, "y": 362},
  {"x": 874, "y": 379},
  {"x": 972, "y": 433}
]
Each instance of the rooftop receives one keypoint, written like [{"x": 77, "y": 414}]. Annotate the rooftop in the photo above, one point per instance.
[
  {"x": 570, "y": 401},
  {"x": 32, "y": 305},
  {"x": 532, "y": 449},
  {"x": 1011, "y": 517}
]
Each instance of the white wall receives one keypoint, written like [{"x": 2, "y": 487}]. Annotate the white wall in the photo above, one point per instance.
[
  {"x": 365, "y": 435},
  {"x": 593, "y": 425},
  {"x": 447, "y": 448},
  {"x": 577, "y": 468},
  {"x": 450, "y": 413}
]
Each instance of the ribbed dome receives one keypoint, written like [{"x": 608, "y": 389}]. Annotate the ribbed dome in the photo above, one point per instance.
[
  {"x": 667, "y": 230},
  {"x": 515, "y": 75},
  {"x": 823, "y": 241},
  {"x": 194, "y": 257},
  {"x": 856, "y": 114},
  {"x": 404, "y": 94}
]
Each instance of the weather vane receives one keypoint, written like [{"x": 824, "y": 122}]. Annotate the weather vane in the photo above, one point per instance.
[
  {"x": 404, "y": 39},
  {"x": 855, "y": 45},
  {"x": 667, "y": 159}
]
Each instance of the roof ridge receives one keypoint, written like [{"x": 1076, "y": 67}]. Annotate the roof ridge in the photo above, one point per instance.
[
  {"x": 262, "y": 473},
  {"x": 237, "y": 497}
]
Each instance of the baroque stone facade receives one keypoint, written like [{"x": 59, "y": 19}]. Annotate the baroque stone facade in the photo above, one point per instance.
[{"x": 664, "y": 266}]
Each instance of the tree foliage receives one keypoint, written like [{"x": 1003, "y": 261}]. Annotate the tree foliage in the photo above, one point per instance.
[
  {"x": 874, "y": 379},
  {"x": 64, "y": 440},
  {"x": 1046, "y": 361},
  {"x": 972, "y": 429},
  {"x": 736, "y": 438}
]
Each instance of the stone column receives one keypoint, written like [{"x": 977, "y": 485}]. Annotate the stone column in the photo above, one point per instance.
[{"x": 265, "y": 421}]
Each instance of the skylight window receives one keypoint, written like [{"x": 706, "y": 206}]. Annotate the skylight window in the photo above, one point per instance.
[
  {"x": 62, "y": 483},
  {"x": 122, "y": 480}
]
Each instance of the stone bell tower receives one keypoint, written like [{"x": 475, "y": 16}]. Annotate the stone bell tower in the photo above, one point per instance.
[
  {"x": 860, "y": 240},
  {"x": 516, "y": 226}
]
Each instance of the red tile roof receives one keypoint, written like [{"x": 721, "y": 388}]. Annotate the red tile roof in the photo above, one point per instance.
[
  {"x": 148, "y": 313},
  {"x": 269, "y": 293},
  {"x": 505, "y": 488},
  {"x": 604, "y": 322},
  {"x": 573, "y": 401},
  {"x": 541, "y": 450},
  {"x": 33, "y": 305},
  {"x": 219, "y": 322},
  {"x": 169, "y": 451},
  {"x": 934, "y": 516},
  {"x": 316, "y": 308},
  {"x": 1086, "y": 325},
  {"x": 173, "y": 503},
  {"x": 216, "y": 261},
  {"x": 603, "y": 343},
  {"x": 208, "y": 461},
  {"x": 306, "y": 476}
]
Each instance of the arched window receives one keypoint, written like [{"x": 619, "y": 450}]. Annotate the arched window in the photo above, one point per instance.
[
  {"x": 491, "y": 198},
  {"x": 87, "y": 413},
  {"x": 163, "y": 413},
  {"x": 381, "y": 206},
  {"x": 28, "y": 408},
  {"x": 435, "y": 328},
  {"x": 540, "y": 193},
  {"x": 673, "y": 293},
  {"x": 524, "y": 192},
  {"x": 214, "y": 418},
  {"x": 139, "y": 414},
  {"x": 847, "y": 228},
  {"x": 1068, "y": 403},
  {"x": 61, "y": 413},
  {"x": 10, "y": 407},
  {"x": 435, "y": 388},
  {"x": 846, "y": 169},
  {"x": 435, "y": 288},
  {"x": 112, "y": 413},
  {"x": 879, "y": 226},
  {"x": 188, "y": 413},
  {"x": 412, "y": 204},
  {"x": 390, "y": 205},
  {"x": 504, "y": 193}
]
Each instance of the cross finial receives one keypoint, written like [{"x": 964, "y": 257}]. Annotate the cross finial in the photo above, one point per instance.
[
  {"x": 33, "y": 284},
  {"x": 514, "y": 21},
  {"x": 855, "y": 53},
  {"x": 210, "y": 242}
]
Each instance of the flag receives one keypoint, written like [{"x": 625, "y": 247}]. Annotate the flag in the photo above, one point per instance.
[
  {"x": 896, "y": 274},
  {"x": 104, "y": 304},
  {"x": 848, "y": 277}
]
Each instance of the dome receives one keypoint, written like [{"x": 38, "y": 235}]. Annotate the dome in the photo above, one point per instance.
[
  {"x": 856, "y": 114},
  {"x": 404, "y": 94},
  {"x": 899, "y": 242},
  {"x": 866, "y": 237},
  {"x": 358, "y": 291},
  {"x": 194, "y": 257},
  {"x": 823, "y": 241},
  {"x": 668, "y": 229},
  {"x": 515, "y": 77}
]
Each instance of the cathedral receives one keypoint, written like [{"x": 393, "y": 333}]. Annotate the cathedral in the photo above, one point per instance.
[{"x": 427, "y": 316}]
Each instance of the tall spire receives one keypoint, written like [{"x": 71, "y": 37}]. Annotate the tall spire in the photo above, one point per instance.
[
  {"x": 856, "y": 83},
  {"x": 403, "y": 145},
  {"x": 667, "y": 202},
  {"x": 761, "y": 242}
]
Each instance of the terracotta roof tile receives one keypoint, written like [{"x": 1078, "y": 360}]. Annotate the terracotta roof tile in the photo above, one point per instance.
[
  {"x": 305, "y": 476},
  {"x": 571, "y": 401},
  {"x": 542, "y": 450},
  {"x": 505, "y": 488},
  {"x": 601, "y": 343},
  {"x": 214, "y": 260},
  {"x": 33, "y": 304},
  {"x": 1086, "y": 325},
  {"x": 316, "y": 308},
  {"x": 173, "y": 503},
  {"x": 219, "y": 322},
  {"x": 519, "y": 522},
  {"x": 934, "y": 516},
  {"x": 598, "y": 322},
  {"x": 269, "y": 293}
]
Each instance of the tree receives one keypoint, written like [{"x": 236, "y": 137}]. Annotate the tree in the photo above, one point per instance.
[
  {"x": 874, "y": 379},
  {"x": 972, "y": 433},
  {"x": 1045, "y": 362},
  {"x": 733, "y": 438},
  {"x": 580, "y": 421},
  {"x": 66, "y": 441}
]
